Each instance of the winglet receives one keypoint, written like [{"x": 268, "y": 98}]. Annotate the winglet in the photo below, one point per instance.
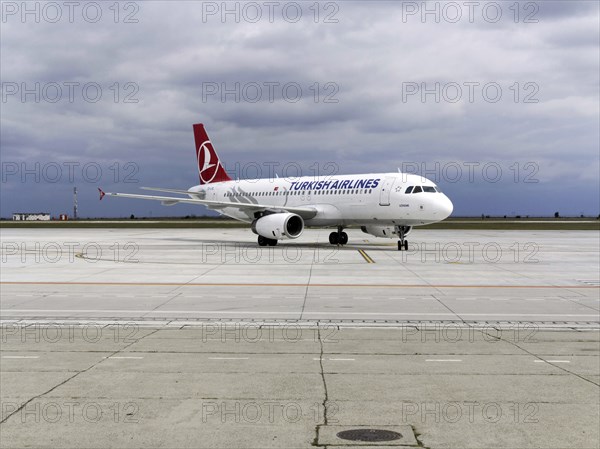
[{"x": 101, "y": 193}]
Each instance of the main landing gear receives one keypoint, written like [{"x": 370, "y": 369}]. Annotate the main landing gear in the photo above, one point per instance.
[
  {"x": 339, "y": 237},
  {"x": 263, "y": 241},
  {"x": 402, "y": 243}
]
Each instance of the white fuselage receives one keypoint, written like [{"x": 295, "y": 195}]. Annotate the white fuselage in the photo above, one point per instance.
[{"x": 366, "y": 199}]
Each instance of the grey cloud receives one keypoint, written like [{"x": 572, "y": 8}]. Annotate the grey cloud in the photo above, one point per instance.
[{"x": 369, "y": 54}]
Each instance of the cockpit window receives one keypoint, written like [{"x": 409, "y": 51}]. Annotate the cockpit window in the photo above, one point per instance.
[
  {"x": 417, "y": 189},
  {"x": 409, "y": 189},
  {"x": 429, "y": 189}
]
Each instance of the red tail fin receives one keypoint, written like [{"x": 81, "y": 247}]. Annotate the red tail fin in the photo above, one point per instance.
[{"x": 209, "y": 165}]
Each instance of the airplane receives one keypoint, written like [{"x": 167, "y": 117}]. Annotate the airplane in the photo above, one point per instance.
[{"x": 384, "y": 205}]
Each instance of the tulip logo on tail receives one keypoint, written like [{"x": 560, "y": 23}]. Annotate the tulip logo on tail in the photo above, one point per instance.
[{"x": 208, "y": 162}]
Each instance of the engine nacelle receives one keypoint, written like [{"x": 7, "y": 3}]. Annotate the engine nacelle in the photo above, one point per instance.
[
  {"x": 279, "y": 226},
  {"x": 385, "y": 231}
]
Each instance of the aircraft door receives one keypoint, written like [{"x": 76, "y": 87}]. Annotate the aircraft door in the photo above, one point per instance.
[{"x": 386, "y": 188}]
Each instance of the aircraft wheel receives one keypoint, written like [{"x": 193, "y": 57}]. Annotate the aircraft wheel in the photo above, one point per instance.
[
  {"x": 333, "y": 238},
  {"x": 400, "y": 246},
  {"x": 343, "y": 238},
  {"x": 406, "y": 245},
  {"x": 262, "y": 241},
  {"x": 272, "y": 242}
]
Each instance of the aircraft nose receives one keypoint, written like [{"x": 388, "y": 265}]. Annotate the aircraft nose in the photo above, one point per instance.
[{"x": 446, "y": 207}]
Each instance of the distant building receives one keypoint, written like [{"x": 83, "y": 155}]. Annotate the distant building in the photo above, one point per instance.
[{"x": 40, "y": 216}]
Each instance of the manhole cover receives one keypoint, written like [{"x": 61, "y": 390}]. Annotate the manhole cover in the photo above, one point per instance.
[{"x": 369, "y": 435}]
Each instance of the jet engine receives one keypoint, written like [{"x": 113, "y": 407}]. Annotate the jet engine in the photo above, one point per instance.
[
  {"x": 279, "y": 226},
  {"x": 385, "y": 231}
]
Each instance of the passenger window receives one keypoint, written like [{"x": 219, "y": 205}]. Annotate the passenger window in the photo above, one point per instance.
[
  {"x": 409, "y": 189},
  {"x": 418, "y": 189}
]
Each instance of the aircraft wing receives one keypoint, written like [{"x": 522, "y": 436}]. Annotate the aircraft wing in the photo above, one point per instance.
[{"x": 304, "y": 212}]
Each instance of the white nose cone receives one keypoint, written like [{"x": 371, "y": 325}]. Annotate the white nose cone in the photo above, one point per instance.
[{"x": 446, "y": 207}]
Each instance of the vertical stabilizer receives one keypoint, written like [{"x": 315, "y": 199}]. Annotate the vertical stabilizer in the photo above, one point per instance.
[{"x": 210, "y": 168}]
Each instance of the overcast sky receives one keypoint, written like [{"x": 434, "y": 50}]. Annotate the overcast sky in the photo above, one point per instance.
[{"x": 498, "y": 104}]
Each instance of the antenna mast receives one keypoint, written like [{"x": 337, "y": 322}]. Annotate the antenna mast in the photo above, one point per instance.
[{"x": 74, "y": 203}]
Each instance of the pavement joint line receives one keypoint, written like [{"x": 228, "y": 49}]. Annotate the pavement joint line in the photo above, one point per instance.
[
  {"x": 551, "y": 361},
  {"x": 20, "y": 356},
  {"x": 175, "y": 295},
  {"x": 447, "y": 307},
  {"x": 325, "y": 420},
  {"x": 68, "y": 379},
  {"x": 122, "y": 357},
  {"x": 307, "y": 287},
  {"x": 579, "y": 376}
]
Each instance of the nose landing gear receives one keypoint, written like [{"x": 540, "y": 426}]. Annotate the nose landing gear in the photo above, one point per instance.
[{"x": 402, "y": 243}]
